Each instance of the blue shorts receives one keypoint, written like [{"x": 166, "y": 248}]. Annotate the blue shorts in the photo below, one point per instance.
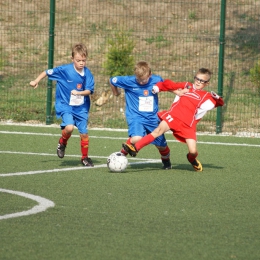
[
  {"x": 137, "y": 128},
  {"x": 80, "y": 121}
]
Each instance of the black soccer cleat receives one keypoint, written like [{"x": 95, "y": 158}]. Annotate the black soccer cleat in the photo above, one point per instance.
[
  {"x": 87, "y": 162},
  {"x": 61, "y": 150},
  {"x": 167, "y": 164},
  {"x": 130, "y": 148},
  {"x": 196, "y": 165}
]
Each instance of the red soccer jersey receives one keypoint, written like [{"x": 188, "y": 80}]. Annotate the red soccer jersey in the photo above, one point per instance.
[{"x": 193, "y": 105}]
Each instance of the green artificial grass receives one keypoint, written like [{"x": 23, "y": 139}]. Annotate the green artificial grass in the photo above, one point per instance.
[{"x": 143, "y": 213}]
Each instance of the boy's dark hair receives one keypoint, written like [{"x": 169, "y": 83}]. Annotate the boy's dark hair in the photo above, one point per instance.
[{"x": 204, "y": 71}]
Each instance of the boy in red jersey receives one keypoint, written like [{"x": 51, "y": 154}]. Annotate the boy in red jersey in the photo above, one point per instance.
[{"x": 186, "y": 111}]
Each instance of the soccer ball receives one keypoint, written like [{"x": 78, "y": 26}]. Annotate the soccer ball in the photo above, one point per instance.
[{"x": 117, "y": 162}]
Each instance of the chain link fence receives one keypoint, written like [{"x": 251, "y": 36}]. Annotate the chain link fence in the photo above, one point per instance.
[{"x": 175, "y": 37}]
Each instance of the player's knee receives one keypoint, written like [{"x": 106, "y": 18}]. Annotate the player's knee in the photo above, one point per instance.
[
  {"x": 69, "y": 129},
  {"x": 84, "y": 137}
]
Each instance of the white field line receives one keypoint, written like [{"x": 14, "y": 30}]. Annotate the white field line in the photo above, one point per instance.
[
  {"x": 33, "y": 124},
  {"x": 70, "y": 155},
  {"x": 124, "y": 138},
  {"x": 67, "y": 169},
  {"x": 43, "y": 205}
]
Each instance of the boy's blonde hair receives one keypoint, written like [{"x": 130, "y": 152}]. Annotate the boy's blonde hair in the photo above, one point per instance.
[
  {"x": 79, "y": 48},
  {"x": 142, "y": 69}
]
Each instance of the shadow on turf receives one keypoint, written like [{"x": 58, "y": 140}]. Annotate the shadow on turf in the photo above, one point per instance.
[
  {"x": 141, "y": 167},
  {"x": 182, "y": 167},
  {"x": 77, "y": 162}
]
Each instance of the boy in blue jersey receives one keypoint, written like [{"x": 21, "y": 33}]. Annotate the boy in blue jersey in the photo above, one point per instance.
[
  {"x": 74, "y": 84},
  {"x": 141, "y": 107}
]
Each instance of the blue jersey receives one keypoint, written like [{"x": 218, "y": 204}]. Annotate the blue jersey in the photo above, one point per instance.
[
  {"x": 141, "y": 103},
  {"x": 69, "y": 79}
]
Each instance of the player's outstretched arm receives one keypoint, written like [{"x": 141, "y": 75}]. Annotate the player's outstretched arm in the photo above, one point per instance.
[
  {"x": 168, "y": 85},
  {"x": 219, "y": 100},
  {"x": 34, "y": 83},
  {"x": 115, "y": 90}
]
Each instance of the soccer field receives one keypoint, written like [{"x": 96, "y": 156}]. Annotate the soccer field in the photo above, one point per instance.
[{"x": 54, "y": 208}]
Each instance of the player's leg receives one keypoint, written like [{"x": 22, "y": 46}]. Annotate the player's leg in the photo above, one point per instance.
[
  {"x": 165, "y": 156},
  {"x": 130, "y": 141},
  {"x": 136, "y": 131},
  {"x": 84, "y": 144},
  {"x": 161, "y": 144},
  {"x": 81, "y": 123},
  {"x": 67, "y": 127},
  {"x": 133, "y": 149},
  {"x": 192, "y": 155}
]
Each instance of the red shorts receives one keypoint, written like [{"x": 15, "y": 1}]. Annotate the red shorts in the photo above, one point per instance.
[{"x": 180, "y": 130}]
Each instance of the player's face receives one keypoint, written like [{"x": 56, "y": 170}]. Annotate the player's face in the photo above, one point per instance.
[
  {"x": 79, "y": 62},
  {"x": 143, "y": 80},
  {"x": 201, "y": 81}
]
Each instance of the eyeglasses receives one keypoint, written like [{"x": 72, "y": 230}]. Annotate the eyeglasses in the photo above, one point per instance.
[{"x": 201, "y": 80}]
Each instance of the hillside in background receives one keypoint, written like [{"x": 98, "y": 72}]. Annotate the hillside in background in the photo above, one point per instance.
[{"x": 175, "y": 37}]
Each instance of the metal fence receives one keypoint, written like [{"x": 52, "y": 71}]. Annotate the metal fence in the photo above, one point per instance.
[{"x": 175, "y": 37}]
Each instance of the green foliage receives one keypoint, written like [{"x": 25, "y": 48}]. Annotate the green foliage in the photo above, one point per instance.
[
  {"x": 119, "y": 58},
  {"x": 255, "y": 75},
  {"x": 192, "y": 15}
]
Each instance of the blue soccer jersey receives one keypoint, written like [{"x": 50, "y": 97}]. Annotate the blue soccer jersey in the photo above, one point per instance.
[
  {"x": 141, "y": 106},
  {"x": 141, "y": 103},
  {"x": 69, "y": 79}
]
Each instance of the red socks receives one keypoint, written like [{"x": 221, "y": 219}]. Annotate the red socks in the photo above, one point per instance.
[
  {"x": 84, "y": 147},
  {"x": 165, "y": 154},
  {"x": 192, "y": 156},
  {"x": 144, "y": 141},
  {"x": 64, "y": 137}
]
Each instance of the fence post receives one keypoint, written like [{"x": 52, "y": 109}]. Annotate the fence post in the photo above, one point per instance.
[
  {"x": 49, "y": 117},
  {"x": 221, "y": 63}
]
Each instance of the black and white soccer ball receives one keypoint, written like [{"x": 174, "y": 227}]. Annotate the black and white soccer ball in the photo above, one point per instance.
[{"x": 117, "y": 162}]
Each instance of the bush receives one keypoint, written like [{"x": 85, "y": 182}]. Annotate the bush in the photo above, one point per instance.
[
  {"x": 255, "y": 75},
  {"x": 119, "y": 59}
]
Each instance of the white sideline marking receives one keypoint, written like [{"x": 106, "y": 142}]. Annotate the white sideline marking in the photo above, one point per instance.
[
  {"x": 53, "y": 170},
  {"x": 71, "y": 155},
  {"x": 44, "y": 204},
  {"x": 144, "y": 161},
  {"x": 123, "y": 138}
]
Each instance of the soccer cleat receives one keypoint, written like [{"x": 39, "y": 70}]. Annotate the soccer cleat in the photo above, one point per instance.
[
  {"x": 87, "y": 162},
  {"x": 130, "y": 148},
  {"x": 61, "y": 150},
  {"x": 197, "y": 165},
  {"x": 167, "y": 164}
]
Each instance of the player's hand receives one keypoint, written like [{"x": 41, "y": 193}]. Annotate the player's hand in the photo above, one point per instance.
[
  {"x": 155, "y": 89},
  {"x": 74, "y": 92},
  {"x": 183, "y": 91},
  {"x": 214, "y": 95},
  {"x": 34, "y": 84}
]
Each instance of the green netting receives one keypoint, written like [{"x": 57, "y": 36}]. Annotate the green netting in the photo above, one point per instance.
[{"x": 175, "y": 37}]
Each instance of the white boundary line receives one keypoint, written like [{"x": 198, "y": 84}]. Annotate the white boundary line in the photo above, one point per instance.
[
  {"x": 143, "y": 161},
  {"x": 213, "y": 133},
  {"x": 43, "y": 205},
  {"x": 123, "y": 138}
]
